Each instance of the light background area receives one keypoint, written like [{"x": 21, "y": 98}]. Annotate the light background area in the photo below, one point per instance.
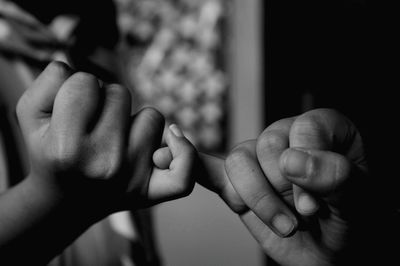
[{"x": 200, "y": 230}]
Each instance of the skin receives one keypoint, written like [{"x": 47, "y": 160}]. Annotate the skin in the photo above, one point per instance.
[
  {"x": 89, "y": 158},
  {"x": 305, "y": 168},
  {"x": 292, "y": 169}
]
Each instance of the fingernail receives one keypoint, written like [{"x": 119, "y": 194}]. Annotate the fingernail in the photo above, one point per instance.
[
  {"x": 295, "y": 163},
  {"x": 176, "y": 130},
  {"x": 283, "y": 224},
  {"x": 306, "y": 204}
]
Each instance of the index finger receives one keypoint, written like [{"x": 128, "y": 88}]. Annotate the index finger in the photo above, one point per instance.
[
  {"x": 320, "y": 131},
  {"x": 37, "y": 101},
  {"x": 326, "y": 129}
]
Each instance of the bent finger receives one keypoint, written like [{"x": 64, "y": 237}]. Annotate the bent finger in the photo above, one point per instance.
[
  {"x": 77, "y": 105},
  {"x": 178, "y": 180},
  {"x": 249, "y": 181},
  {"x": 326, "y": 129},
  {"x": 114, "y": 118},
  {"x": 38, "y": 100},
  {"x": 270, "y": 145},
  {"x": 323, "y": 129}
]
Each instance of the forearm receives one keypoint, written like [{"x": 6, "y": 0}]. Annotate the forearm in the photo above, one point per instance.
[{"x": 38, "y": 222}]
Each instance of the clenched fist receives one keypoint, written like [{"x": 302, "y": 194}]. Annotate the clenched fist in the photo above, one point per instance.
[
  {"x": 302, "y": 189},
  {"x": 89, "y": 158},
  {"x": 82, "y": 139}
]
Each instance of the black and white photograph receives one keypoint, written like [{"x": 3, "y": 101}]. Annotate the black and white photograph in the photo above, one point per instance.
[{"x": 199, "y": 133}]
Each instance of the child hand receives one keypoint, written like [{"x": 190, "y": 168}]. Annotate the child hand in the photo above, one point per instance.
[{"x": 174, "y": 166}]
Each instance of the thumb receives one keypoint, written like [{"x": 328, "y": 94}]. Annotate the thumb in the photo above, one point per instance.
[{"x": 322, "y": 173}]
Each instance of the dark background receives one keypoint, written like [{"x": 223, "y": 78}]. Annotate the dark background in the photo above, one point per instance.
[{"x": 345, "y": 55}]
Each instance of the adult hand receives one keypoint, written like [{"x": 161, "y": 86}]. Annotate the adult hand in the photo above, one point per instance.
[{"x": 294, "y": 187}]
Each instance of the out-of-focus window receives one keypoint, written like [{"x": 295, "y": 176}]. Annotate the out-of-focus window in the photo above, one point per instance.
[{"x": 173, "y": 55}]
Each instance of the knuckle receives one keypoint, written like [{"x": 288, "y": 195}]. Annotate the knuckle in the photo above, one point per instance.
[
  {"x": 319, "y": 123},
  {"x": 234, "y": 202},
  {"x": 83, "y": 77},
  {"x": 258, "y": 201},
  {"x": 22, "y": 105},
  {"x": 114, "y": 158},
  {"x": 59, "y": 68},
  {"x": 237, "y": 157},
  {"x": 118, "y": 92},
  {"x": 104, "y": 166},
  {"x": 152, "y": 120},
  {"x": 153, "y": 115},
  {"x": 81, "y": 85},
  {"x": 83, "y": 80},
  {"x": 271, "y": 140},
  {"x": 311, "y": 127},
  {"x": 310, "y": 123},
  {"x": 281, "y": 125},
  {"x": 63, "y": 156}
]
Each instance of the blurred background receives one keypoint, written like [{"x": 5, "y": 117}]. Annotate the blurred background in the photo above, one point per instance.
[{"x": 221, "y": 69}]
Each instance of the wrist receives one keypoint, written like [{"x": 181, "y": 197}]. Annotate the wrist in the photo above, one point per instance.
[
  {"x": 69, "y": 196},
  {"x": 35, "y": 211}
]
